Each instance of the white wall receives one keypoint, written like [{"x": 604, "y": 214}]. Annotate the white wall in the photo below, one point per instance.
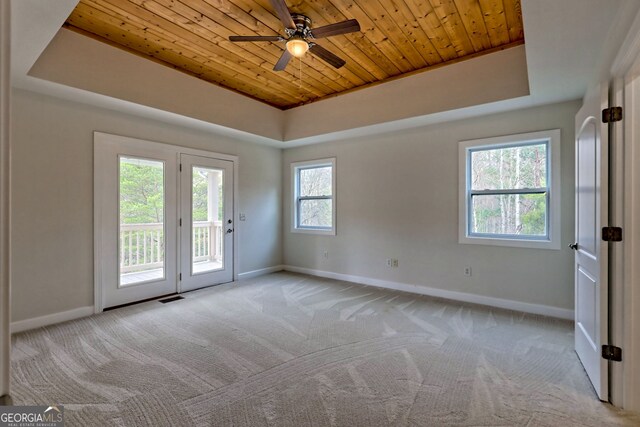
[
  {"x": 52, "y": 204},
  {"x": 397, "y": 197}
]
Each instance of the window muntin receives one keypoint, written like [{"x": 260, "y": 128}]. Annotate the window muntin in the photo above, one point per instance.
[
  {"x": 508, "y": 191},
  {"x": 518, "y": 205},
  {"x": 314, "y": 204}
]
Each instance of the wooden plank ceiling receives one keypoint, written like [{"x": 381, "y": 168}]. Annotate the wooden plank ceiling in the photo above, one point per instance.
[{"x": 397, "y": 37}]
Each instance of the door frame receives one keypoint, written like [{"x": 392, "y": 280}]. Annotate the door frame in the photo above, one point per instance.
[
  {"x": 625, "y": 310},
  {"x": 101, "y": 138}
]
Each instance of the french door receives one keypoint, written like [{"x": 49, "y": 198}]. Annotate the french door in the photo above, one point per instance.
[
  {"x": 163, "y": 220},
  {"x": 206, "y": 221}
]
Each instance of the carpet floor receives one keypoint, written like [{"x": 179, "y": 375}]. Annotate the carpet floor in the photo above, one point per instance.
[{"x": 293, "y": 350}]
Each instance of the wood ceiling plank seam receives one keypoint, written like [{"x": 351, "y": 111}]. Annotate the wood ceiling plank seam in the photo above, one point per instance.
[
  {"x": 355, "y": 45},
  {"x": 422, "y": 41},
  {"x": 205, "y": 28},
  {"x": 452, "y": 23},
  {"x": 364, "y": 44},
  {"x": 158, "y": 55},
  {"x": 473, "y": 20},
  {"x": 513, "y": 14},
  {"x": 226, "y": 51},
  {"x": 215, "y": 58},
  {"x": 397, "y": 33},
  {"x": 345, "y": 76},
  {"x": 340, "y": 45},
  {"x": 495, "y": 20},
  {"x": 432, "y": 26},
  {"x": 373, "y": 33},
  {"x": 392, "y": 31}
]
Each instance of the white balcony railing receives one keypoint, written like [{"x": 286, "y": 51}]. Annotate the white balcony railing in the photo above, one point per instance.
[{"x": 142, "y": 245}]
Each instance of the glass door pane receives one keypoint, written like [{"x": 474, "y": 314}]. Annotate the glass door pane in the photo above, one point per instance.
[
  {"x": 206, "y": 209},
  {"x": 141, "y": 220},
  {"x": 207, "y": 240}
]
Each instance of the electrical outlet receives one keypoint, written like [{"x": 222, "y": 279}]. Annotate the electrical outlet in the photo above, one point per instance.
[
  {"x": 394, "y": 262},
  {"x": 325, "y": 254},
  {"x": 389, "y": 262},
  {"x": 467, "y": 271},
  {"x": 243, "y": 217}
]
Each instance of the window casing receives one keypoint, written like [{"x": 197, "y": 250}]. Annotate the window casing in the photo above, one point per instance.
[
  {"x": 510, "y": 190},
  {"x": 314, "y": 205}
]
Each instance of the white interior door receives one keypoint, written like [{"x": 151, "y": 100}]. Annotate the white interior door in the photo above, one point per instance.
[
  {"x": 591, "y": 285},
  {"x": 206, "y": 231},
  {"x": 136, "y": 240}
]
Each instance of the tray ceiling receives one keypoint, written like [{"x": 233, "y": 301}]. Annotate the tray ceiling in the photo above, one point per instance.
[{"x": 397, "y": 38}]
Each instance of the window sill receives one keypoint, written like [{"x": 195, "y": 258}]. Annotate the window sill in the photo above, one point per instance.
[
  {"x": 321, "y": 232},
  {"x": 513, "y": 243}
]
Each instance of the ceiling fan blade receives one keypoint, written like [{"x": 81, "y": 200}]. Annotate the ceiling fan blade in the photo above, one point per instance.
[
  {"x": 283, "y": 13},
  {"x": 255, "y": 38},
  {"x": 327, "y": 56},
  {"x": 283, "y": 61},
  {"x": 344, "y": 27}
]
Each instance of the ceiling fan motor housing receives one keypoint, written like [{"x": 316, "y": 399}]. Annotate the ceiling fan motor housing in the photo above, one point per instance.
[{"x": 303, "y": 24}]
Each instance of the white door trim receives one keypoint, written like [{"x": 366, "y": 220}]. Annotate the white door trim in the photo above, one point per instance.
[
  {"x": 625, "y": 72},
  {"x": 98, "y": 221},
  {"x": 631, "y": 243}
]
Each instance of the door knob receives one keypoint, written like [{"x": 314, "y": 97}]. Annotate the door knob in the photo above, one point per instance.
[
  {"x": 574, "y": 246},
  {"x": 229, "y": 221},
  {"x": 230, "y": 230}
]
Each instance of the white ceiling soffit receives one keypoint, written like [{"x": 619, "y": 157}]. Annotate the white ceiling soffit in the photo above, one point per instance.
[
  {"x": 569, "y": 44},
  {"x": 33, "y": 24}
]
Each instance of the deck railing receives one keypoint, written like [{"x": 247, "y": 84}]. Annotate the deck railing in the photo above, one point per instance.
[{"x": 142, "y": 245}]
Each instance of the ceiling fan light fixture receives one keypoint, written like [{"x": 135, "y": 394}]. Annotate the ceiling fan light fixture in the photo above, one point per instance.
[{"x": 297, "y": 46}]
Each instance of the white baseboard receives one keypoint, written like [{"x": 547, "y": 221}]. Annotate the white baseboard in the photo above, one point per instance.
[
  {"x": 545, "y": 310},
  {"x": 260, "y": 272},
  {"x": 51, "y": 319}
]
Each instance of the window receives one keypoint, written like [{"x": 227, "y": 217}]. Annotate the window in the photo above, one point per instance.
[
  {"x": 510, "y": 190},
  {"x": 314, "y": 207}
]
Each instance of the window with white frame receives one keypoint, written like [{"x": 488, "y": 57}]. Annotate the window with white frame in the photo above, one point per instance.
[
  {"x": 510, "y": 190},
  {"x": 314, "y": 205}
]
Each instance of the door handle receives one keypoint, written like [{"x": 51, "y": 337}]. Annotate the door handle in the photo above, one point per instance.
[
  {"x": 574, "y": 246},
  {"x": 230, "y": 230}
]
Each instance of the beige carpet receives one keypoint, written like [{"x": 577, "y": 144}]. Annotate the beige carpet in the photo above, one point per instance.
[{"x": 292, "y": 350}]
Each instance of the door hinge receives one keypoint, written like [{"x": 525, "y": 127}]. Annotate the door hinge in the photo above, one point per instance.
[
  {"x": 612, "y": 234},
  {"x": 180, "y": 222},
  {"x": 611, "y": 114},
  {"x": 180, "y": 167},
  {"x": 612, "y": 353},
  {"x": 180, "y": 276}
]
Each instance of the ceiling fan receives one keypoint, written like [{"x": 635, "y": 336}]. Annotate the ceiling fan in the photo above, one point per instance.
[{"x": 300, "y": 36}]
